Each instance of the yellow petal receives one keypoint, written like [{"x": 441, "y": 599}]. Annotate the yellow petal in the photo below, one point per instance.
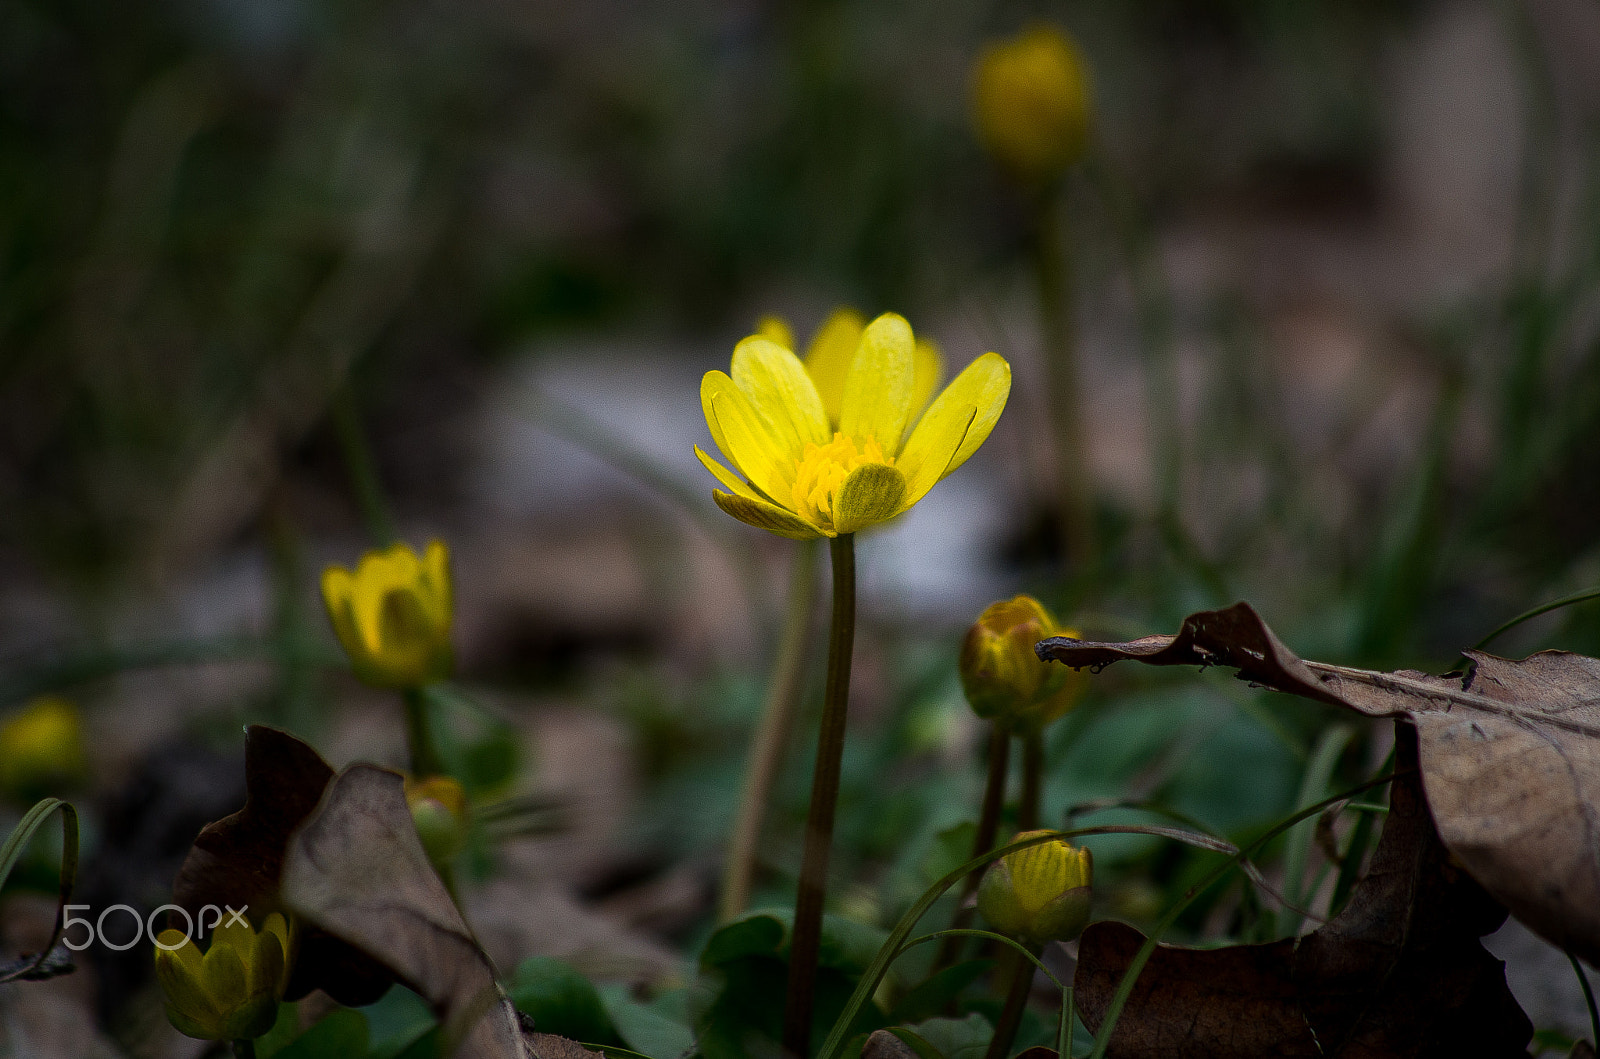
[
  {"x": 929, "y": 453},
  {"x": 782, "y": 393},
  {"x": 746, "y": 441},
  {"x": 982, "y": 387},
  {"x": 438, "y": 600},
  {"x": 869, "y": 494},
  {"x": 177, "y": 968},
  {"x": 337, "y": 589},
  {"x": 758, "y": 513},
  {"x": 223, "y": 976},
  {"x": 877, "y": 391},
  {"x": 828, "y": 357},
  {"x": 366, "y": 607},
  {"x": 737, "y": 485},
  {"x": 927, "y": 371},
  {"x": 777, "y": 329}
]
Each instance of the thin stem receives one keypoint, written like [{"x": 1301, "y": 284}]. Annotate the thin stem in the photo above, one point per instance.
[
  {"x": 1005, "y": 1031},
  {"x": 1032, "y": 779},
  {"x": 771, "y": 735},
  {"x": 1588, "y": 997},
  {"x": 807, "y": 938},
  {"x": 361, "y": 468},
  {"x": 419, "y": 735},
  {"x": 994, "y": 796},
  {"x": 1543, "y": 608},
  {"x": 1053, "y": 270}
]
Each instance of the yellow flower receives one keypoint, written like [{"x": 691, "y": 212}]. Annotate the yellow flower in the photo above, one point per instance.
[
  {"x": 802, "y": 470},
  {"x": 1031, "y": 102},
  {"x": 1041, "y": 893},
  {"x": 393, "y": 615},
  {"x": 439, "y": 809},
  {"x": 1004, "y": 678},
  {"x": 232, "y": 992},
  {"x": 41, "y": 745}
]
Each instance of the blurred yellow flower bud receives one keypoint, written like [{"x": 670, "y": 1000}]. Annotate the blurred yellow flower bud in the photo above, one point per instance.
[
  {"x": 232, "y": 992},
  {"x": 1041, "y": 893},
  {"x": 439, "y": 809},
  {"x": 41, "y": 746},
  {"x": 1004, "y": 679},
  {"x": 393, "y": 615},
  {"x": 1031, "y": 102}
]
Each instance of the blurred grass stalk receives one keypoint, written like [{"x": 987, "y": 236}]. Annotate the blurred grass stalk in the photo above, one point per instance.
[
  {"x": 1053, "y": 271},
  {"x": 771, "y": 736}
]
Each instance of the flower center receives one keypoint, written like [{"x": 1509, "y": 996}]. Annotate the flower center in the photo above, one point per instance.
[{"x": 823, "y": 468}]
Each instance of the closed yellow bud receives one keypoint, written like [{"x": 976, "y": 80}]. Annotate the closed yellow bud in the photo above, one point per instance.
[
  {"x": 232, "y": 992},
  {"x": 393, "y": 615},
  {"x": 1003, "y": 677},
  {"x": 1031, "y": 102},
  {"x": 41, "y": 745},
  {"x": 439, "y": 809},
  {"x": 1041, "y": 893}
]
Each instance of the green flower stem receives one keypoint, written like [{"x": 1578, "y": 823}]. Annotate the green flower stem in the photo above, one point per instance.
[
  {"x": 807, "y": 937},
  {"x": 994, "y": 797},
  {"x": 1053, "y": 271},
  {"x": 771, "y": 736},
  {"x": 244, "y": 1048},
  {"x": 1005, "y": 1030},
  {"x": 1032, "y": 781},
  {"x": 419, "y": 735}
]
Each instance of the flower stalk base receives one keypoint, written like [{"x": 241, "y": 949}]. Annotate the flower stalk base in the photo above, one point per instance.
[{"x": 807, "y": 936}]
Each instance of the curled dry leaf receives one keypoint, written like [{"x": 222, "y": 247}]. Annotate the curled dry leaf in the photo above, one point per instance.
[
  {"x": 1510, "y": 753},
  {"x": 237, "y": 862},
  {"x": 1400, "y": 972},
  {"x": 357, "y": 870}
]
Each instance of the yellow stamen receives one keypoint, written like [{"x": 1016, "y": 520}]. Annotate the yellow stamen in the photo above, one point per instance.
[{"x": 822, "y": 470}]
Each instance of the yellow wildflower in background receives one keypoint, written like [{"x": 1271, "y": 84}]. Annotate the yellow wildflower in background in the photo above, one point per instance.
[
  {"x": 438, "y": 807},
  {"x": 41, "y": 745},
  {"x": 1002, "y": 676},
  {"x": 1031, "y": 102},
  {"x": 1041, "y": 893},
  {"x": 393, "y": 615},
  {"x": 801, "y": 472},
  {"x": 232, "y": 992}
]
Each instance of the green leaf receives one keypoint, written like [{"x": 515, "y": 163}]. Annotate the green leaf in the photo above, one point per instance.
[
  {"x": 644, "y": 1029},
  {"x": 758, "y": 933},
  {"x": 561, "y": 1001},
  {"x": 951, "y": 848},
  {"x": 916, "y": 1043},
  {"x": 966, "y": 1038},
  {"x": 935, "y": 993},
  {"x": 341, "y": 1035}
]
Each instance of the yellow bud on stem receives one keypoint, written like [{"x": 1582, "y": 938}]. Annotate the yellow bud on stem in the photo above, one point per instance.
[{"x": 1039, "y": 894}]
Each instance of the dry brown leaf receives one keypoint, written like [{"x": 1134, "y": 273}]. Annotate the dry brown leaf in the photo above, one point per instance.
[
  {"x": 357, "y": 870},
  {"x": 549, "y": 1046},
  {"x": 237, "y": 861},
  {"x": 1510, "y": 753},
  {"x": 1398, "y": 973}
]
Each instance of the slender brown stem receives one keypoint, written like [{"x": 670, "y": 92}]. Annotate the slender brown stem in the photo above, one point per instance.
[
  {"x": 419, "y": 735},
  {"x": 994, "y": 797},
  {"x": 1005, "y": 1031},
  {"x": 1053, "y": 270},
  {"x": 1032, "y": 776},
  {"x": 807, "y": 936},
  {"x": 771, "y": 735}
]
